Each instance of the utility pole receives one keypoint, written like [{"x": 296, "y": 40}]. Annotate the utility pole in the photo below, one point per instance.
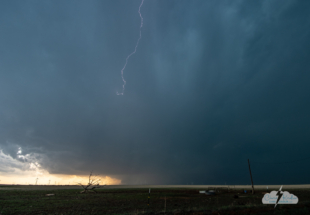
[
  {"x": 251, "y": 176},
  {"x": 148, "y": 199}
]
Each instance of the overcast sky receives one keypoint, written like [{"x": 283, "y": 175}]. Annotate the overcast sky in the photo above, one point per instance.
[{"x": 212, "y": 83}]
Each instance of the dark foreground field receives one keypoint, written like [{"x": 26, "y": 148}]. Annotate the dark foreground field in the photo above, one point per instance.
[{"x": 134, "y": 201}]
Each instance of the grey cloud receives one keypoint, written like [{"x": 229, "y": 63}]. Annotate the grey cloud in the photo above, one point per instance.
[{"x": 205, "y": 73}]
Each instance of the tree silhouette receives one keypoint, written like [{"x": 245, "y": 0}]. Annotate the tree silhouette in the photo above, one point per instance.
[{"x": 93, "y": 183}]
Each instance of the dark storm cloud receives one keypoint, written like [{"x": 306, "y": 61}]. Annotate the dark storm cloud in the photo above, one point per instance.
[{"x": 212, "y": 84}]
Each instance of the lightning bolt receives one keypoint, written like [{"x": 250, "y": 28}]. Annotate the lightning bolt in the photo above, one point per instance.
[
  {"x": 279, "y": 194},
  {"x": 122, "y": 71}
]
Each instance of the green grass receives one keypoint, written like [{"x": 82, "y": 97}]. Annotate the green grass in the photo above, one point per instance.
[{"x": 134, "y": 201}]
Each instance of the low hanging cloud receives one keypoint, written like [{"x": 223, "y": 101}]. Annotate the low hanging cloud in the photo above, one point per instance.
[
  {"x": 21, "y": 165},
  {"x": 26, "y": 169}
]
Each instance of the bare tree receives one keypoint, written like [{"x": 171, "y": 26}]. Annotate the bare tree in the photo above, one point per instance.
[{"x": 93, "y": 183}]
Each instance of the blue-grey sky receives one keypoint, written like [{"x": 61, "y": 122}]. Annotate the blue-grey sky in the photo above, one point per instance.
[{"x": 212, "y": 84}]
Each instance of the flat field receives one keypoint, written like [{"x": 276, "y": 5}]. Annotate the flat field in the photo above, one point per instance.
[{"x": 21, "y": 199}]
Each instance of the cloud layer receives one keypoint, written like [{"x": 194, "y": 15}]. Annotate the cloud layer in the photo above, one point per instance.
[{"x": 212, "y": 84}]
